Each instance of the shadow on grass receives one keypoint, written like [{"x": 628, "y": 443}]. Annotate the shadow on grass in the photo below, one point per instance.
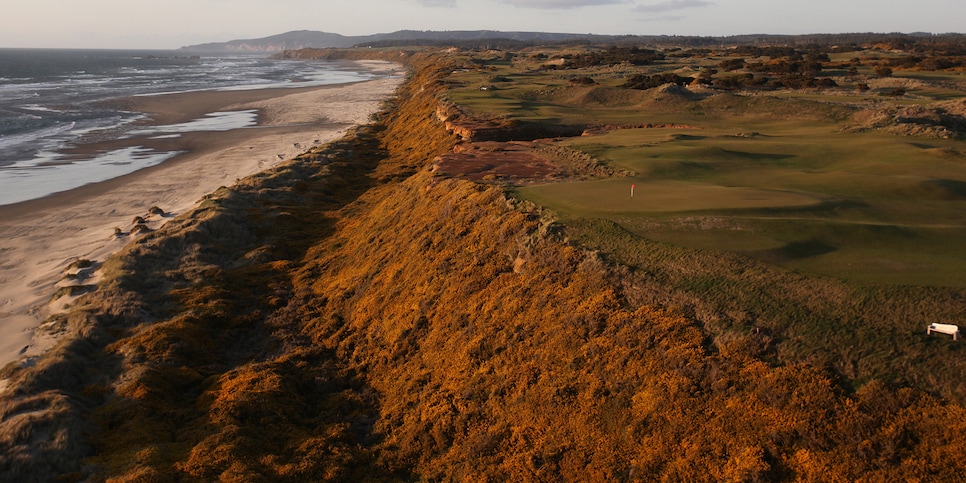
[
  {"x": 194, "y": 333},
  {"x": 945, "y": 189},
  {"x": 797, "y": 251}
]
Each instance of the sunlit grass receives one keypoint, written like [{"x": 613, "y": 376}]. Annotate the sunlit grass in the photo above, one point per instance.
[
  {"x": 748, "y": 169},
  {"x": 351, "y": 316}
]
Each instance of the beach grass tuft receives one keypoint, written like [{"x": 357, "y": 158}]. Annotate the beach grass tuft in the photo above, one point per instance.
[{"x": 352, "y": 315}]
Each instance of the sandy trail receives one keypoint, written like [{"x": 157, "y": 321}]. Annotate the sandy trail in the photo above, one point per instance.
[{"x": 40, "y": 239}]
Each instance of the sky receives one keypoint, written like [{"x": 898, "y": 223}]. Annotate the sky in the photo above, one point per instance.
[{"x": 160, "y": 24}]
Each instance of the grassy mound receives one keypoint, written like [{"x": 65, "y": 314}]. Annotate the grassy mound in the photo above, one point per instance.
[{"x": 350, "y": 316}]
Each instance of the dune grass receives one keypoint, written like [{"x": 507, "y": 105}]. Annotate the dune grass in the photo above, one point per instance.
[
  {"x": 353, "y": 316},
  {"x": 777, "y": 191}
]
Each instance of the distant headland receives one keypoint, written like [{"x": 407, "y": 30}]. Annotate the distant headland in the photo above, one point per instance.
[{"x": 311, "y": 39}]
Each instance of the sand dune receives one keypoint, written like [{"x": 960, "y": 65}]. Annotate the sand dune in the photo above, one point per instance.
[{"x": 41, "y": 239}]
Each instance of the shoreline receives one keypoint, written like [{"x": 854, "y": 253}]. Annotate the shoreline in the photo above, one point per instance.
[{"x": 41, "y": 238}]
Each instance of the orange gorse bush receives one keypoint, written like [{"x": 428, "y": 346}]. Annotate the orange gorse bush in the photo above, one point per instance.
[{"x": 351, "y": 316}]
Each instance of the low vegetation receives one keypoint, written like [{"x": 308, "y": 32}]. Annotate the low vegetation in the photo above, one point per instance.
[
  {"x": 353, "y": 315},
  {"x": 744, "y": 148}
]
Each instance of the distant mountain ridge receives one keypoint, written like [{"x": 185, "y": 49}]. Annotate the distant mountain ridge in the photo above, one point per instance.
[
  {"x": 298, "y": 39},
  {"x": 303, "y": 39},
  {"x": 312, "y": 39}
]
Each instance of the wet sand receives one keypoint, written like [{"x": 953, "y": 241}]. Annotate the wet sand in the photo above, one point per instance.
[{"x": 40, "y": 239}]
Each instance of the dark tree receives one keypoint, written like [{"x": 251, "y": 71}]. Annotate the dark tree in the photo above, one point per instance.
[
  {"x": 582, "y": 81},
  {"x": 731, "y": 64},
  {"x": 641, "y": 81},
  {"x": 883, "y": 71}
]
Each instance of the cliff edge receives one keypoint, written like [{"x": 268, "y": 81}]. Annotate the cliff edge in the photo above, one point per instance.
[{"x": 352, "y": 315}]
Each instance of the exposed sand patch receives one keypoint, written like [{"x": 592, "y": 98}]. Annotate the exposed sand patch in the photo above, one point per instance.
[{"x": 40, "y": 239}]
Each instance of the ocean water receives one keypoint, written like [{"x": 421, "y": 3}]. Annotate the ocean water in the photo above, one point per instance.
[{"x": 50, "y": 100}]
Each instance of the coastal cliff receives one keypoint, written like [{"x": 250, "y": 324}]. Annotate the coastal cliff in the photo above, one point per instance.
[{"x": 353, "y": 315}]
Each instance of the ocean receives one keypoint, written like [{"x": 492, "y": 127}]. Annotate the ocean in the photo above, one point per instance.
[{"x": 51, "y": 100}]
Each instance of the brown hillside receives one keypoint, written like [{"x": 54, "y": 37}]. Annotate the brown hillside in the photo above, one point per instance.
[{"x": 352, "y": 316}]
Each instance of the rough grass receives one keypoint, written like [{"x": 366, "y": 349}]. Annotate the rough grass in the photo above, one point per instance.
[
  {"x": 352, "y": 317},
  {"x": 850, "y": 323}
]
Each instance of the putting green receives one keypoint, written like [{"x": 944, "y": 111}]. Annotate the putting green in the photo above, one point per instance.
[
  {"x": 614, "y": 196},
  {"x": 827, "y": 181}
]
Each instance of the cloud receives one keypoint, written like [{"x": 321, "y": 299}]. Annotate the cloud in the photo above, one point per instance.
[
  {"x": 664, "y": 18},
  {"x": 671, "y": 6},
  {"x": 554, "y": 4},
  {"x": 437, "y": 3}
]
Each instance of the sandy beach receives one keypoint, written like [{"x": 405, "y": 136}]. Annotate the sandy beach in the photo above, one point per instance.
[{"x": 40, "y": 240}]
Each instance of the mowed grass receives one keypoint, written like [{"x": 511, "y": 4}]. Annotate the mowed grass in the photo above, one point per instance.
[
  {"x": 613, "y": 196},
  {"x": 549, "y": 98},
  {"x": 774, "y": 175},
  {"x": 868, "y": 207}
]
